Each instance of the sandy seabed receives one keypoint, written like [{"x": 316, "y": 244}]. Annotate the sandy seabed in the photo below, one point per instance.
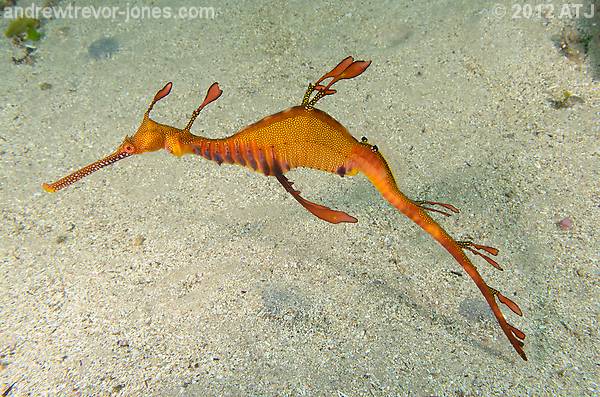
[{"x": 175, "y": 277}]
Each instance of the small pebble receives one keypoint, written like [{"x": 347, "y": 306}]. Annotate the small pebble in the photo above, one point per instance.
[
  {"x": 138, "y": 240},
  {"x": 565, "y": 223},
  {"x": 45, "y": 86},
  {"x": 63, "y": 31}
]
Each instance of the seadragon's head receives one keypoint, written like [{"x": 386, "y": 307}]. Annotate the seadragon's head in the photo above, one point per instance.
[{"x": 149, "y": 137}]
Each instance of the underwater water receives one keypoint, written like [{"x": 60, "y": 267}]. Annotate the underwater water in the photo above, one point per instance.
[{"x": 172, "y": 276}]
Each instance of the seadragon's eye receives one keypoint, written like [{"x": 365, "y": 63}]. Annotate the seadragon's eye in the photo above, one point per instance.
[
  {"x": 374, "y": 148},
  {"x": 364, "y": 139}
]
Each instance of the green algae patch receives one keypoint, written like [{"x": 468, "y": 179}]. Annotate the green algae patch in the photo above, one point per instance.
[{"x": 26, "y": 27}]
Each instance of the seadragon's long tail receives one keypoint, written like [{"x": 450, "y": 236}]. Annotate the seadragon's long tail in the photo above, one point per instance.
[{"x": 370, "y": 162}]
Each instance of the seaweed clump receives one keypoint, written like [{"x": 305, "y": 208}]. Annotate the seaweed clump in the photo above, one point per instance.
[
  {"x": 23, "y": 29},
  {"x": 566, "y": 100},
  {"x": 574, "y": 45},
  {"x": 24, "y": 33}
]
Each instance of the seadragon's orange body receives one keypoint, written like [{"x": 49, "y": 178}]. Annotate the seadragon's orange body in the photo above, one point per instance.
[{"x": 303, "y": 136}]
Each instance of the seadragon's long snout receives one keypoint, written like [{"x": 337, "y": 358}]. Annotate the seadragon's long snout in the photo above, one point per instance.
[{"x": 85, "y": 171}]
